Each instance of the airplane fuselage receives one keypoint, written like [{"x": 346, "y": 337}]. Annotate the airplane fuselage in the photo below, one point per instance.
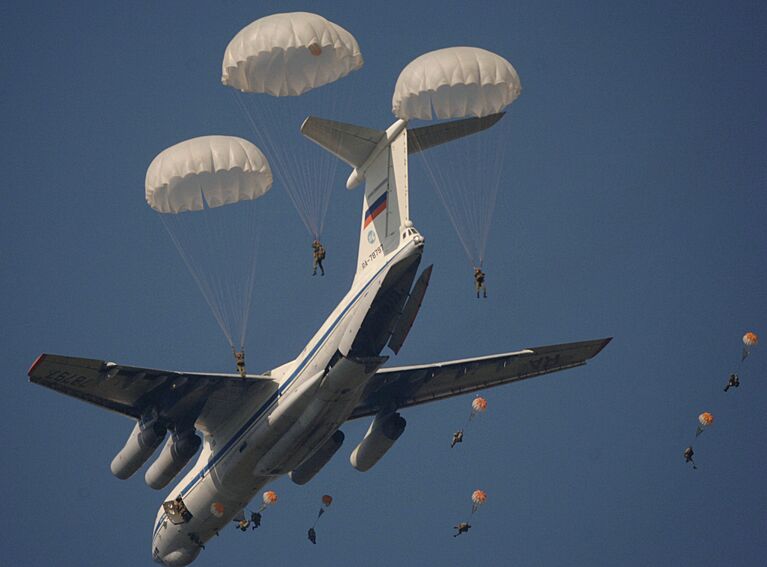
[{"x": 272, "y": 435}]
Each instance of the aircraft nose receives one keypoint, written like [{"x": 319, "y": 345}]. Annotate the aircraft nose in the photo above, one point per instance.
[{"x": 178, "y": 557}]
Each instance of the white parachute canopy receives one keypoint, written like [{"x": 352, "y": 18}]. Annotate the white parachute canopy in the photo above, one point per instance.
[
  {"x": 289, "y": 54},
  {"x": 204, "y": 190},
  {"x": 209, "y": 171},
  {"x": 456, "y": 82},
  {"x": 462, "y": 82},
  {"x": 283, "y": 68}
]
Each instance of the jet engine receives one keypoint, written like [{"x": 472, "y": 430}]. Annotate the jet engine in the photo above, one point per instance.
[
  {"x": 143, "y": 441},
  {"x": 179, "y": 449},
  {"x": 383, "y": 432},
  {"x": 311, "y": 466}
]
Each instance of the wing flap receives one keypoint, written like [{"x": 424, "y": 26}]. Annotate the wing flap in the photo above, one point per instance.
[{"x": 394, "y": 388}]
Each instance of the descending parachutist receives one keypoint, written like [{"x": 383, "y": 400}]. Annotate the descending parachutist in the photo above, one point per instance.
[
  {"x": 242, "y": 525},
  {"x": 239, "y": 359},
  {"x": 734, "y": 381},
  {"x": 688, "y": 453},
  {"x": 479, "y": 282},
  {"x": 462, "y": 528},
  {"x": 312, "y": 535},
  {"x": 319, "y": 255},
  {"x": 457, "y": 438}
]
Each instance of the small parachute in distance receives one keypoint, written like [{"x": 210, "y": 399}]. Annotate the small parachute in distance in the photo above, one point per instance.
[
  {"x": 478, "y": 405},
  {"x": 478, "y": 497},
  {"x": 704, "y": 420},
  {"x": 750, "y": 339},
  {"x": 270, "y": 497},
  {"x": 462, "y": 82},
  {"x": 327, "y": 500}
]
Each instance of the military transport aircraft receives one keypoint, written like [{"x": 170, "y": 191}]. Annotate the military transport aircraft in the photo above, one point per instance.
[{"x": 286, "y": 420}]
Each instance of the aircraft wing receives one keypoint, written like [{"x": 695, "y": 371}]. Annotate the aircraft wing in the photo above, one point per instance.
[
  {"x": 177, "y": 397},
  {"x": 405, "y": 386}
]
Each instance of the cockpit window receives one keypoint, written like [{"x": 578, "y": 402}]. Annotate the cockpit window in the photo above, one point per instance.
[{"x": 177, "y": 511}]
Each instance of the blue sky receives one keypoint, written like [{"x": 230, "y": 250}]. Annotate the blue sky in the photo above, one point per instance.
[{"x": 632, "y": 206}]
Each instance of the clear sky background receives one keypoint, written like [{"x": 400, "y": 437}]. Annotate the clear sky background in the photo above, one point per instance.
[{"x": 632, "y": 205}]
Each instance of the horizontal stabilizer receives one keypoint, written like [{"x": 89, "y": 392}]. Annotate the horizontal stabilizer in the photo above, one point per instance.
[
  {"x": 413, "y": 305},
  {"x": 419, "y": 139},
  {"x": 350, "y": 143}
]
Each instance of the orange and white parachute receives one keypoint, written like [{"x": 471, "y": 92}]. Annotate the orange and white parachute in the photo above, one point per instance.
[
  {"x": 478, "y": 405},
  {"x": 327, "y": 500},
  {"x": 750, "y": 339},
  {"x": 704, "y": 420},
  {"x": 478, "y": 497},
  {"x": 270, "y": 497}
]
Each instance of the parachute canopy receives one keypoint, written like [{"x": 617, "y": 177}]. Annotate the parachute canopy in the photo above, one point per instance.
[
  {"x": 289, "y": 54},
  {"x": 270, "y": 497},
  {"x": 705, "y": 419},
  {"x": 455, "y": 82},
  {"x": 217, "y": 509},
  {"x": 206, "y": 172},
  {"x": 478, "y": 498},
  {"x": 479, "y": 404},
  {"x": 327, "y": 500},
  {"x": 750, "y": 339}
]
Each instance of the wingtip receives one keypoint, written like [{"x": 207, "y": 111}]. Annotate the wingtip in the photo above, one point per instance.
[
  {"x": 603, "y": 344},
  {"x": 37, "y": 361}
]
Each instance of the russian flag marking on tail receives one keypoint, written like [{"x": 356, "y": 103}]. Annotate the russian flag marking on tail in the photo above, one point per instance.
[{"x": 375, "y": 209}]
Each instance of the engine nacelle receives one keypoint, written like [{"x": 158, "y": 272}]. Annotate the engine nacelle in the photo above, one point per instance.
[
  {"x": 143, "y": 441},
  {"x": 311, "y": 466},
  {"x": 177, "y": 452},
  {"x": 383, "y": 432}
]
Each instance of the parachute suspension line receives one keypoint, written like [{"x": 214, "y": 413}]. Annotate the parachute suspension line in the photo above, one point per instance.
[
  {"x": 236, "y": 293},
  {"x": 492, "y": 196},
  {"x": 203, "y": 284},
  {"x": 248, "y": 299},
  {"x": 438, "y": 182},
  {"x": 278, "y": 160}
]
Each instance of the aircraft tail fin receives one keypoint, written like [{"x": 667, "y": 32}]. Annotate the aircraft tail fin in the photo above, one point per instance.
[{"x": 380, "y": 159}]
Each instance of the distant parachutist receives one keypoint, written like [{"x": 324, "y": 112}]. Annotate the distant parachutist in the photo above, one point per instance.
[
  {"x": 688, "y": 453},
  {"x": 479, "y": 282},
  {"x": 457, "y": 438},
  {"x": 242, "y": 524},
  {"x": 312, "y": 535},
  {"x": 734, "y": 381},
  {"x": 318, "y": 252},
  {"x": 462, "y": 528},
  {"x": 239, "y": 360}
]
